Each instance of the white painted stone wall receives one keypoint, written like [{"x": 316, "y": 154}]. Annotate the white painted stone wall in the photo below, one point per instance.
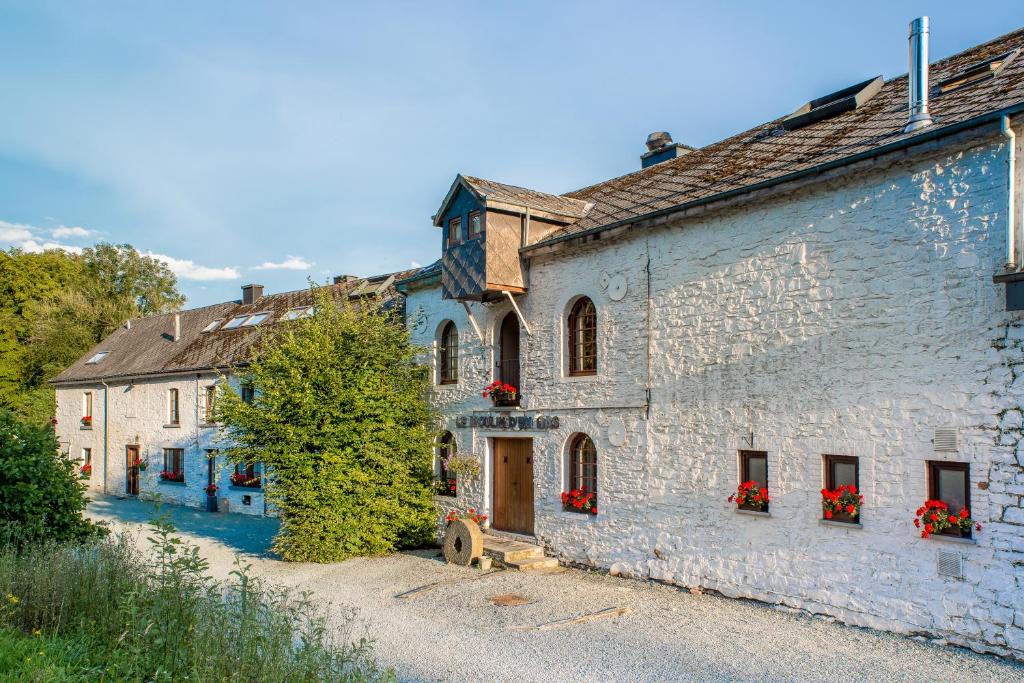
[
  {"x": 138, "y": 415},
  {"x": 850, "y": 318}
]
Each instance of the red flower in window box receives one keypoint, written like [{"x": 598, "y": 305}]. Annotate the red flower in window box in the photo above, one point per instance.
[
  {"x": 750, "y": 496},
  {"x": 168, "y": 475},
  {"x": 86, "y": 470},
  {"x": 499, "y": 390},
  {"x": 87, "y": 421},
  {"x": 579, "y": 500},
  {"x": 239, "y": 479},
  {"x": 843, "y": 502},
  {"x": 935, "y": 517}
]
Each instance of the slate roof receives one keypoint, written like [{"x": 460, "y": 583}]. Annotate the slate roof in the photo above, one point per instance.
[
  {"x": 520, "y": 196},
  {"x": 146, "y": 348},
  {"x": 769, "y": 152}
]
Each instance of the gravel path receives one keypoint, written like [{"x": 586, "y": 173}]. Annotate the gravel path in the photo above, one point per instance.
[{"x": 450, "y": 632}]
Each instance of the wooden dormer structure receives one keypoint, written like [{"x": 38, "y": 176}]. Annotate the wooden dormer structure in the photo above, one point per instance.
[{"x": 484, "y": 224}]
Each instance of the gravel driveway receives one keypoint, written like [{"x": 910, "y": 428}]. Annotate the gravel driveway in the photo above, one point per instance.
[{"x": 451, "y": 632}]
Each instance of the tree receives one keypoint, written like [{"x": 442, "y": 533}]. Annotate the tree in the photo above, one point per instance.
[
  {"x": 55, "y": 306},
  {"x": 341, "y": 421},
  {"x": 41, "y": 497}
]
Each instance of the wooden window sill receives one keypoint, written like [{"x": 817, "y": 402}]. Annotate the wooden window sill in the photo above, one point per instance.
[
  {"x": 87, "y": 428},
  {"x": 168, "y": 482},
  {"x": 752, "y": 513},
  {"x": 846, "y": 525},
  {"x": 172, "y": 425}
]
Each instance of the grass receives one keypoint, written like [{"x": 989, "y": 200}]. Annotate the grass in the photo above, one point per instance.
[{"x": 107, "y": 611}]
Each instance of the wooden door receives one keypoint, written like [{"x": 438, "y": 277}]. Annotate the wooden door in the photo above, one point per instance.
[
  {"x": 513, "y": 485},
  {"x": 131, "y": 456}
]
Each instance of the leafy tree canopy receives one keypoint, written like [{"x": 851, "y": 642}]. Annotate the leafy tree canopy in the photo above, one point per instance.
[
  {"x": 54, "y": 306},
  {"x": 341, "y": 421}
]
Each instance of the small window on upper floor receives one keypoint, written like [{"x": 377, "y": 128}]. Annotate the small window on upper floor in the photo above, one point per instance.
[
  {"x": 248, "y": 393},
  {"x": 583, "y": 338},
  {"x": 256, "y": 319},
  {"x": 476, "y": 224},
  {"x": 454, "y": 231},
  {"x": 449, "y": 354},
  {"x": 235, "y": 322},
  {"x": 97, "y": 358},
  {"x": 212, "y": 326}
]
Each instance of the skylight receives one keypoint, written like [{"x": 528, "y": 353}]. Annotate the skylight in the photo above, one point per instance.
[
  {"x": 977, "y": 72},
  {"x": 97, "y": 358},
  {"x": 256, "y": 319},
  {"x": 235, "y": 322},
  {"x": 297, "y": 313},
  {"x": 834, "y": 104},
  {"x": 212, "y": 326}
]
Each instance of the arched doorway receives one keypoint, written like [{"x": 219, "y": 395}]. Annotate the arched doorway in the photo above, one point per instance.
[{"x": 508, "y": 356}]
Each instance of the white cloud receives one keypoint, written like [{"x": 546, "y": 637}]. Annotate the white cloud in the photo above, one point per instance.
[
  {"x": 14, "y": 232},
  {"x": 414, "y": 264},
  {"x": 33, "y": 247},
  {"x": 290, "y": 263},
  {"x": 74, "y": 231},
  {"x": 190, "y": 270}
]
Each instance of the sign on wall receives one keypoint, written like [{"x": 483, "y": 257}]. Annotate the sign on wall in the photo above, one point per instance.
[{"x": 514, "y": 422}]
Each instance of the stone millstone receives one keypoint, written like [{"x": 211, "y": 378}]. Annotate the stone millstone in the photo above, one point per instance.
[{"x": 463, "y": 542}]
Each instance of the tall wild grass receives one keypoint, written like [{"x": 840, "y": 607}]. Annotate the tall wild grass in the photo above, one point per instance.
[{"x": 159, "y": 616}]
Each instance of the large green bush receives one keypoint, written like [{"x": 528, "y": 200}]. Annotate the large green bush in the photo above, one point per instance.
[
  {"x": 341, "y": 421},
  {"x": 41, "y": 496}
]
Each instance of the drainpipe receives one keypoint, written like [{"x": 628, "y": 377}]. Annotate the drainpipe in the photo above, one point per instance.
[
  {"x": 1011, "y": 207},
  {"x": 105, "y": 411}
]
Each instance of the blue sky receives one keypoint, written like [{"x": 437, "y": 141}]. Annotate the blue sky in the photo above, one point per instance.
[{"x": 273, "y": 142}]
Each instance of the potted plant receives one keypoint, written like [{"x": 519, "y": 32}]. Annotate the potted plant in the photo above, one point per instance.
[
  {"x": 500, "y": 393},
  {"x": 578, "y": 500},
  {"x": 239, "y": 479},
  {"x": 141, "y": 464},
  {"x": 471, "y": 515},
  {"x": 934, "y": 517},
  {"x": 445, "y": 487},
  {"x": 86, "y": 470},
  {"x": 87, "y": 421},
  {"x": 842, "y": 504},
  {"x": 750, "y": 496},
  {"x": 211, "y": 498}
]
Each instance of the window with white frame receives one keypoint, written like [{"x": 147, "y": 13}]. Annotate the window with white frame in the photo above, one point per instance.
[{"x": 173, "y": 407}]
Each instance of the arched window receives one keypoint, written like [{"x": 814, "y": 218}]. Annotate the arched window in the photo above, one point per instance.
[
  {"x": 583, "y": 338},
  {"x": 583, "y": 466},
  {"x": 449, "y": 349},
  {"x": 446, "y": 481}
]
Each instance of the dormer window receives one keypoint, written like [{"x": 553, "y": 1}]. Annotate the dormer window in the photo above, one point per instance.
[
  {"x": 476, "y": 224},
  {"x": 97, "y": 358},
  {"x": 256, "y": 319},
  {"x": 454, "y": 231},
  {"x": 977, "y": 72},
  {"x": 235, "y": 322}
]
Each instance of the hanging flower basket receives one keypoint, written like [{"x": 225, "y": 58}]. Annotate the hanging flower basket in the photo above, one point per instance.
[
  {"x": 934, "y": 517},
  {"x": 750, "y": 496},
  {"x": 578, "y": 500},
  {"x": 500, "y": 393},
  {"x": 141, "y": 464},
  {"x": 445, "y": 487},
  {"x": 841, "y": 505}
]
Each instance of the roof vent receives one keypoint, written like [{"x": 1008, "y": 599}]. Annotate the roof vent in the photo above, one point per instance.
[
  {"x": 847, "y": 99},
  {"x": 917, "y": 79},
  {"x": 975, "y": 73},
  {"x": 946, "y": 440},
  {"x": 950, "y": 563},
  {"x": 661, "y": 148}
]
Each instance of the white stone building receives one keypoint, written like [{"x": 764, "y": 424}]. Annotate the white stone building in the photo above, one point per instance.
[
  {"x": 137, "y": 405},
  {"x": 825, "y": 299}
]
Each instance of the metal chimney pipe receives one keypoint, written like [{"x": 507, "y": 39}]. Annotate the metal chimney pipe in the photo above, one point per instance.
[{"x": 918, "y": 75}]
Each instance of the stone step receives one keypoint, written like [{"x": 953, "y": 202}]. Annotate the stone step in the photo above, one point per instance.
[
  {"x": 535, "y": 564},
  {"x": 514, "y": 553}
]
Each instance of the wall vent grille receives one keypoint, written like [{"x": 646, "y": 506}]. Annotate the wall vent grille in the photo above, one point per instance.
[
  {"x": 951, "y": 564},
  {"x": 946, "y": 439}
]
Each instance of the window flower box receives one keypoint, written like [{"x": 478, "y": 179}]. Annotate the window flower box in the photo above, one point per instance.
[
  {"x": 445, "y": 487},
  {"x": 239, "y": 480},
  {"x": 501, "y": 394},
  {"x": 750, "y": 496},
  {"x": 842, "y": 504},
  {"x": 577, "y": 500},
  {"x": 87, "y": 422},
  {"x": 934, "y": 517},
  {"x": 86, "y": 471},
  {"x": 174, "y": 477}
]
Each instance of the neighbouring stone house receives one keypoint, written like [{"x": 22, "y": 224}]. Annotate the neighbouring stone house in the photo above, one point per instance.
[
  {"x": 137, "y": 407},
  {"x": 832, "y": 298}
]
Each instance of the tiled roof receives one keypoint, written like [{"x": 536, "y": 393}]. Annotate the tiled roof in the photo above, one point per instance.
[
  {"x": 521, "y": 196},
  {"x": 769, "y": 152},
  {"x": 146, "y": 347}
]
